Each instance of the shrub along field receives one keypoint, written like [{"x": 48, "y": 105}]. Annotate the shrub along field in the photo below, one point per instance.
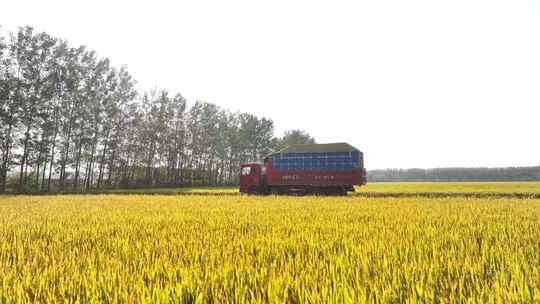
[
  {"x": 453, "y": 187},
  {"x": 402, "y": 187},
  {"x": 532, "y": 187},
  {"x": 136, "y": 248},
  {"x": 171, "y": 190}
]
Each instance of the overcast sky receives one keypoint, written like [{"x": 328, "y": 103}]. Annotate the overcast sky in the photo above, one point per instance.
[{"x": 411, "y": 83}]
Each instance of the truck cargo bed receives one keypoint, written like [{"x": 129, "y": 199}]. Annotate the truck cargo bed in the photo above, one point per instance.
[{"x": 316, "y": 165}]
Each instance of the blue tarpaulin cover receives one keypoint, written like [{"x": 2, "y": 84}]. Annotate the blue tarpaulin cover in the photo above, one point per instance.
[{"x": 299, "y": 158}]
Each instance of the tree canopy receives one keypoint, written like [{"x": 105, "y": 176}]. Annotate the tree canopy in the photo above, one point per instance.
[
  {"x": 293, "y": 137},
  {"x": 71, "y": 120}
]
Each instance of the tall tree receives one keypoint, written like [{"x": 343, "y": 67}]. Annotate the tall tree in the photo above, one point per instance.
[
  {"x": 293, "y": 137},
  {"x": 58, "y": 67},
  {"x": 8, "y": 111},
  {"x": 122, "y": 124},
  {"x": 71, "y": 104}
]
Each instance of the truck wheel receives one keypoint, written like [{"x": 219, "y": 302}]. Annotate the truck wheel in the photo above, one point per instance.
[
  {"x": 275, "y": 191},
  {"x": 252, "y": 191}
]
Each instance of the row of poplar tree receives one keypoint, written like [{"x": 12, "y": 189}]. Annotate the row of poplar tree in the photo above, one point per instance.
[{"x": 69, "y": 120}]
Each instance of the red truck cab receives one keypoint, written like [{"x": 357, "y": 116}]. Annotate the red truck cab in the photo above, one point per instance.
[{"x": 250, "y": 177}]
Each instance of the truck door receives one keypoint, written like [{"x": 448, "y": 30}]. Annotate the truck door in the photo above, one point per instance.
[{"x": 245, "y": 178}]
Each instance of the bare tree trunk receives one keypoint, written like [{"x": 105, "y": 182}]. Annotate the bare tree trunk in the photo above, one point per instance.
[
  {"x": 111, "y": 168},
  {"x": 77, "y": 165},
  {"x": 90, "y": 173},
  {"x": 42, "y": 188},
  {"x": 25, "y": 172},
  {"x": 102, "y": 164},
  {"x": 52, "y": 155},
  {"x": 66, "y": 151},
  {"x": 37, "y": 170},
  {"x": 24, "y": 156},
  {"x": 5, "y": 158},
  {"x": 181, "y": 167}
]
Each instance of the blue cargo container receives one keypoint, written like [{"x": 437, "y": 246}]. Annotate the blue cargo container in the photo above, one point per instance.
[{"x": 331, "y": 157}]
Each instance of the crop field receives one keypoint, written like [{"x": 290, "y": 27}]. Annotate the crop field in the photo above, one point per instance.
[{"x": 219, "y": 249}]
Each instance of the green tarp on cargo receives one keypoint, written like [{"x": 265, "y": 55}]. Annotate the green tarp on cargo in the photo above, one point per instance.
[{"x": 319, "y": 148}]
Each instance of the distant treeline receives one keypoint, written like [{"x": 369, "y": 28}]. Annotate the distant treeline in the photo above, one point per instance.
[
  {"x": 455, "y": 174},
  {"x": 70, "y": 121}
]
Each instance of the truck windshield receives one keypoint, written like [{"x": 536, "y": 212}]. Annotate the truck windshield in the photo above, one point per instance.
[{"x": 246, "y": 170}]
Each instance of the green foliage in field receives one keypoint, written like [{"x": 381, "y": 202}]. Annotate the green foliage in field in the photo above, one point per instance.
[
  {"x": 402, "y": 187},
  {"x": 268, "y": 249},
  {"x": 178, "y": 190},
  {"x": 453, "y": 187}
]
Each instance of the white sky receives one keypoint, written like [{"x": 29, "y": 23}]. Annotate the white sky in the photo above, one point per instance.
[{"x": 418, "y": 83}]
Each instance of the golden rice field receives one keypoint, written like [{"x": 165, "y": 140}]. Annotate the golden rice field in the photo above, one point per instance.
[{"x": 232, "y": 249}]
